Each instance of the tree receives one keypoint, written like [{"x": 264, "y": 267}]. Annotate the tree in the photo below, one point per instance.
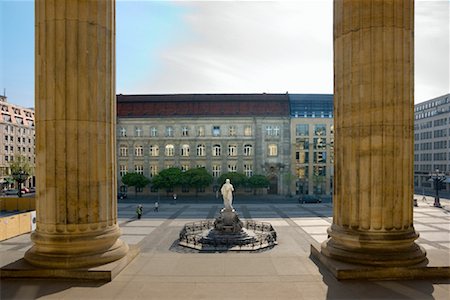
[
  {"x": 258, "y": 181},
  {"x": 135, "y": 179},
  {"x": 21, "y": 169},
  {"x": 168, "y": 179},
  {"x": 197, "y": 178},
  {"x": 237, "y": 179}
]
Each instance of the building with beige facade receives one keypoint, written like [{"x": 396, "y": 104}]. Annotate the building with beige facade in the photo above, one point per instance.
[
  {"x": 17, "y": 128},
  {"x": 246, "y": 133},
  {"x": 312, "y": 141}
]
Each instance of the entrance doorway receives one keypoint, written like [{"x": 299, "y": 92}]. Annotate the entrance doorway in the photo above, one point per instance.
[{"x": 273, "y": 185}]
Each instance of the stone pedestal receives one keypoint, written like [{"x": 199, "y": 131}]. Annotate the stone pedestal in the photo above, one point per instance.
[
  {"x": 75, "y": 136},
  {"x": 373, "y": 117},
  {"x": 228, "y": 222}
]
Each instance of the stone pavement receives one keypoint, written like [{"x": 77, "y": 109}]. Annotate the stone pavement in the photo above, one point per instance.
[{"x": 164, "y": 270}]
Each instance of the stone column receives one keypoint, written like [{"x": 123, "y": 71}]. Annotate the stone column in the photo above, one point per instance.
[
  {"x": 373, "y": 115},
  {"x": 75, "y": 135}
]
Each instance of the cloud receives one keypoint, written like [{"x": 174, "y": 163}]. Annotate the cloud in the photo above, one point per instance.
[
  {"x": 432, "y": 35},
  {"x": 249, "y": 47}
]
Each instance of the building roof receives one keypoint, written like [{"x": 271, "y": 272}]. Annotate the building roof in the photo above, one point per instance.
[
  {"x": 179, "y": 105},
  {"x": 311, "y": 105}
]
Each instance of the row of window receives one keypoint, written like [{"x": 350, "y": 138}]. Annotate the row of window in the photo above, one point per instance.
[
  {"x": 431, "y": 168},
  {"x": 20, "y": 149},
  {"x": 431, "y": 134},
  {"x": 430, "y": 156},
  {"x": 187, "y": 131},
  {"x": 431, "y": 104},
  {"x": 318, "y": 143},
  {"x": 19, "y": 139},
  {"x": 302, "y": 157},
  {"x": 319, "y": 129},
  {"x": 10, "y": 158},
  {"x": 169, "y": 150},
  {"x": 9, "y": 129},
  {"x": 302, "y": 172},
  {"x": 216, "y": 169}
]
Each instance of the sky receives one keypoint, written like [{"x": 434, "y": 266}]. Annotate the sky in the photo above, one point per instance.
[{"x": 223, "y": 47}]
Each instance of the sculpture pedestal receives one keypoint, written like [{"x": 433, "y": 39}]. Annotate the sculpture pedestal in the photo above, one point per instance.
[{"x": 228, "y": 222}]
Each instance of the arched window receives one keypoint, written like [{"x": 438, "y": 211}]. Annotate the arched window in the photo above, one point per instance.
[
  {"x": 123, "y": 151},
  {"x": 201, "y": 150},
  {"x": 248, "y": 150},
  {"x": 139, "y": 150},
  {"x": 216, "y": 150},
  {"x": 170, "y": 150},
  {"x": 273, "y": 150},
  {"x": 185, "y": 150},
  {"x": 154, "y": 150},
  {"x": 232, "y": 150}
]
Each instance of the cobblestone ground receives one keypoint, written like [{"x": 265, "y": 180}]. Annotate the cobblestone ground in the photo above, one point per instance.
[{"x": 164, "y": 270}]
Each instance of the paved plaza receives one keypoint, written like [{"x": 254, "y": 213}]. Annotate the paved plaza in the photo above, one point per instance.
[{"x": 164, "y": 270}]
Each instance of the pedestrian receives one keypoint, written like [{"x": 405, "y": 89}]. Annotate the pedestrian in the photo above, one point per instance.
[
  {"x": 139, "y": 211},
  {"x": 156, "y": 206},
  {"x": 175, "y": 198}
]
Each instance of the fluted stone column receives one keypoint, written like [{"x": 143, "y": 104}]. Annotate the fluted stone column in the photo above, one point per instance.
[
  {"x": 75, "y": 135},
  {"x": 373, "y": 115}
]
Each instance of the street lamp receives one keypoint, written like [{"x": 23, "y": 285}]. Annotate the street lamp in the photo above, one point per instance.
[
  {"x": 438, "y": 180},
  {"x": 20, "y": 177}
]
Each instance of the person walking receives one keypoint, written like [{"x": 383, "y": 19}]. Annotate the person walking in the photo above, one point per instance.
[
  {"x": 174, "y": 198},
  {"x": 156, "y": 206},
  {"x": 139, "y": 211}
]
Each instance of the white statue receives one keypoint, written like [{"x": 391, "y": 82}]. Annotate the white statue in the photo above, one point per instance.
[{"x": 227, "y": 194}]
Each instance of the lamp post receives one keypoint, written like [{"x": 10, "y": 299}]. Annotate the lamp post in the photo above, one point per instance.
[
  {"x": 438, "y": 179},
  {"x": 20, "y": 177}
]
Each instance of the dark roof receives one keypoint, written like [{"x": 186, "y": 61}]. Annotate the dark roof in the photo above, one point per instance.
[{"x": 135, "y": 106}]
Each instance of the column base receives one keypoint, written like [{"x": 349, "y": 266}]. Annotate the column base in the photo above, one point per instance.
[
  {"x": 435, "y": 267},
  {"x": 373, "y": 248},
  {"x": 76, "y": 250}
]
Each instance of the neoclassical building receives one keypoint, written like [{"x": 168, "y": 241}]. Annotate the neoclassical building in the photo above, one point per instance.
[
  {"x": 17, "y": 128},
  {"x": 246, "y": 133}
]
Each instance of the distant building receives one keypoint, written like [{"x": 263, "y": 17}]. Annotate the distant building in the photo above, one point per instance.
[
  {"x": 17, "y": 128},
  {"x": 246, "y": 133},
  {"x": 312, "y": 142},
  {"x": 431, "y": 142}
]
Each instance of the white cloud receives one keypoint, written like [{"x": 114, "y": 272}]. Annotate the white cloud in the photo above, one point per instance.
[{"x": 250, "y": 47}]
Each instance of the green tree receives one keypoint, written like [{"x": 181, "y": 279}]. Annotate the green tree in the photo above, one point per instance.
[
  {"x": 237, "y": 179},
  {"x": 258, "y": 181},
  {"x": 168, "y": 179},
  {"x": 21, "y": 169},
  {"x": 197, "y": 178},
  {"x": 136, "y": 180}
]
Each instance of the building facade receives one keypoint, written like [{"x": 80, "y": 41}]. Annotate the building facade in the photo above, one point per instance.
[
  {"x": 17, "y": 126},
  {"x": 312, "y": 144},
  {"x": 431, "y": 142},
  {"x": 246, "y": 133}
]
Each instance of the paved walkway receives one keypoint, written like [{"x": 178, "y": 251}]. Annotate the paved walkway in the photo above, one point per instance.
[{"x": 164, "y": 270}]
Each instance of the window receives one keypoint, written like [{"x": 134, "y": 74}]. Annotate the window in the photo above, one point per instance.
[
  {"x": 185, "y": 131},
  {"x": 153, "y": 131},
  {"x": 138, "y": 131},
  {"x": 6, "y": 148},
  {"x": 248, "y": 130},
  {"x": 6, "y": 118},
  {"x": 216, "y": 131},
  {"x": 232, "y": 167},
  {"x": 320, "y": 143},
  {"x": 273, "y": 130},
  {"x": 123, "y": 170},
  {"x": 185, "y": 150},
  {"x": 320, "y": 157},
  {"x": 123, "y": 151},
  {"x": 319, "y": 171},
  {"x": 201, "y": 150},
  {"x": 232, "y": 130},
  {"x": 138, "y": 151},
  {"x": 232, "y": 150},
  {"x": 123, "y": 132},
  {"x": 200, "y": 131},
  {"x": 216, "y": 169},
  {"x": 184, "y": 167},
  {"x": 139, "y": 169},
  {"x": 216, "y": 150},
  {"x": 153, "y": 170},
  {"x": 248, "y": 170},
  {"x": 273, "y": 150},
  {"x": 154, "y": 150},
  {"x": 302, "y": 157},
  {"x": 302, "y": 130},
  {"x": 248, "y": 150},
  {"x": 169, "y": 150},
  {"x": 320, "y": 129},
  {"x": 276, "y": 130},
  {"x": 169, "y": 131}
]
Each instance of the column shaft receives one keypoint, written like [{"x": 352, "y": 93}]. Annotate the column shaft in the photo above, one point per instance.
[
  {"x": 75, "y": 135},
  {"x": 374, "y": 101}
]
